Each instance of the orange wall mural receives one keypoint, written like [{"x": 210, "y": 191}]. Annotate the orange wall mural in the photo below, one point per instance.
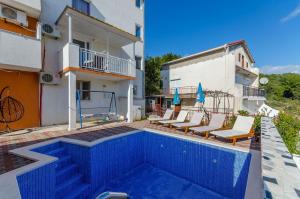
[
  {"x": 28, "y": 31},
  {"x": 24, "y": 87}
]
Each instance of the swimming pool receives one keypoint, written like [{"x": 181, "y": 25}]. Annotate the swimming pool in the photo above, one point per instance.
[{"x": 142, "y": 164}]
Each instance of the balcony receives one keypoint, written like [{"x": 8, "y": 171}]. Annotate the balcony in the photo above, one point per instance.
[
  {"x": 32, "y": 7},
  {"x": 103, "y": 64},
  {"x": 18, "y": 52},
  {"x": 253, "y": 93},
  {"x": 112, "y": 49},
  {"x": 247, "y": 71},
  {"x": 184, "y": 92}
]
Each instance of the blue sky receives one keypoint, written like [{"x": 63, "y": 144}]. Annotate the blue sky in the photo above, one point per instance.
[{"x": 270, "y": 27}]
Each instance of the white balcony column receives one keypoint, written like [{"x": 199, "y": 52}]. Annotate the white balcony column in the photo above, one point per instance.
[
  {"x": 131, "y": 65},
  {"x": 71, "y": 100},
  {"x": 39, "y": 31},
  {"x": 130, "y": 102},
  {"x": 107, "y": 48},
  {"x": 70, "y": 33}
]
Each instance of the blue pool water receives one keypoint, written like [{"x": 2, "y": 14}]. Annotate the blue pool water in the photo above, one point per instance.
[{"x": 144, "y": 165}]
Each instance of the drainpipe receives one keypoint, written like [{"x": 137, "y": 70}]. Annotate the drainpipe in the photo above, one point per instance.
[{"x": 43, "y": 43}]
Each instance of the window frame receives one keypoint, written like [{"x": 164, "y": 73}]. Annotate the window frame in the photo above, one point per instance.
[
  {"x": 135, "y": 90},
  {"x": 75, "y": 2},
  {"x": 80, "y": 83},
  {"x": 243, "y": 61},
  {"x": 140, "y": 32},
  {"x": 139, "y": 57},
  {"x": 141, "y": 4}
]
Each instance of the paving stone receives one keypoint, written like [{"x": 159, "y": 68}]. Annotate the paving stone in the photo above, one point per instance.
[{"x": 281, "y": 175}]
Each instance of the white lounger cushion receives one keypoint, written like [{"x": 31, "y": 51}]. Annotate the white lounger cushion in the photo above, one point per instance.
[
  {"x": 167, "y": 116},
  {"x": 216, "y": 122},
  {"x": 228, "y": 133},
  {"x": 180, "y": 118},
  {"x": 242, "y": 126},
  {"x": 195, "y": 121},
  {"x": 202, "y": 129}
]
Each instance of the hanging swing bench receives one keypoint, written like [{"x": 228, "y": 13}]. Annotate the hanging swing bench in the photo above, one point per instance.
[{"x": 111, "y": 109}]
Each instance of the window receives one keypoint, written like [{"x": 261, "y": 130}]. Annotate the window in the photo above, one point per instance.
[
  {"x": 82, "y": 6},
  {"x": 243, "y": 63},
  {"x": 138, "y": 62},
  {"x": 135, "y": 89},
  {"x": 138, "y": 31},
  {"x": 239, "y": 57},
  {"x": 85, "y": 87},
  {"x": 139, "y": 4},
  {"x": 247, "y": 65}
]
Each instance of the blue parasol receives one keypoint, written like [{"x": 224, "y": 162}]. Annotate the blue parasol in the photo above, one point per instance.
[
  {"x": 200, "y": 94},
  {"x": 176, "y": 99}
]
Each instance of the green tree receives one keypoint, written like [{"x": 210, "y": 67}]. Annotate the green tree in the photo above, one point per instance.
[{"x": 153, "y": 81}]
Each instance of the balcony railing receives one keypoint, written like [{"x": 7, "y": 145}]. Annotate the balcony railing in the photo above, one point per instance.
[
  {"x": 97, "y": 61},
  {"x": 252, "y": 91},
  {"x": 184, "y": 90},
  {"x": 14, "y": 51}
]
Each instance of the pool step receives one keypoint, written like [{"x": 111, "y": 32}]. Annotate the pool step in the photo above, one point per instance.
[
  {"x": 63, "y": 162},
  {"x": 66, "y": 172},
  {"x": 79, "y": 191},
  {"x": 58, "y": 152},
  {"x": 69, "y": 181},
  {"x": 67, "y": 185}
]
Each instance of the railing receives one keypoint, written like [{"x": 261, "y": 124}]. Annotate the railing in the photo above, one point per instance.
[
  {"x": 97, "y": 61},
  {"x": 184, "y": 90},
  {"x": 252, "y": 91}
]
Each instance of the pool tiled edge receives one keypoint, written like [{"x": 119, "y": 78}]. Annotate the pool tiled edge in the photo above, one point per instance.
[
  {"x": 42, "y": 160},
  {"x": 281, "y": 176}
]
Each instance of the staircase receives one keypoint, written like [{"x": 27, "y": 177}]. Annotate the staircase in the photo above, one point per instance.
[{"x": 69, "y": 180}]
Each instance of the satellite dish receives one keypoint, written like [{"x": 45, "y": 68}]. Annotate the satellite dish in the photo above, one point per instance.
[{"x": 263, "y": 81}]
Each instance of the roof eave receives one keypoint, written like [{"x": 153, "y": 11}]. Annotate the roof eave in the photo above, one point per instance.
[{"x": 116, "y": 29}]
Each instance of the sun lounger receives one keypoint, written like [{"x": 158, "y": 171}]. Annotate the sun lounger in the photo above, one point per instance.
[
  {"x": 180, "y": 118},
  {"x": 195, "y": 121},
  {"x": 167, "y": 116},
  {"x": 241, "y": 129},
  {"x": 216, "y": 122}
]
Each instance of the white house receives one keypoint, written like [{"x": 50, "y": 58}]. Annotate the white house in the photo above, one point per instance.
[
  {"x": 92, "y": 45},
  {"x": 228, "y": 68},
  {"x": 49, "y": 49}
]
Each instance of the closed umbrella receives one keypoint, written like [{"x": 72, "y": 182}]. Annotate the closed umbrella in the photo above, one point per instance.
[
  {"x": 200, "y": 96},
  {"x": 176, "y": 99}
]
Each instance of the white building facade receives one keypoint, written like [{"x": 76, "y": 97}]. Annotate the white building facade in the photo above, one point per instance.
[
  {"x": 228, "y": 68},
  {"x": 94, "y": 46}
]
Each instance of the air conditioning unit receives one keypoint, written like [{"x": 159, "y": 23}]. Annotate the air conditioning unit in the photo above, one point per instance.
[
  {"x": 51, "y": 31},
  {"x": 13, "y": 15},
  {"x": 49, "y": 78}
]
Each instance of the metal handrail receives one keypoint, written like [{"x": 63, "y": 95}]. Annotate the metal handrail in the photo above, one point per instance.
[
  {"x": 98, "y": 61},
  {"x": 253, "y": 91}
]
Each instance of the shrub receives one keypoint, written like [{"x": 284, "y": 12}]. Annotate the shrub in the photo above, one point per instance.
[
  {"x": 257, "y": 124},
  {"x": 288, "y": 128},
  {"x": 231, "y": 121},
  {"x": 243, "y": 112}
]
